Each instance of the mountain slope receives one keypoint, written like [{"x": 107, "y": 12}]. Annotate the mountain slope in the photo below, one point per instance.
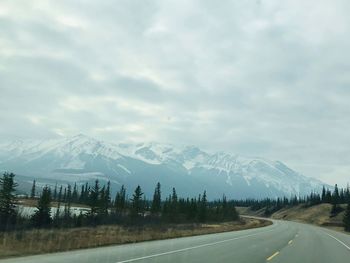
[{"x": 189, "y": 169}]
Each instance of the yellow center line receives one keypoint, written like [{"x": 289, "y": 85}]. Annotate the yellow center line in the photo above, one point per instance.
[
  {"x": 271, "y": 257},
  {"x": 290, "y": 242}
]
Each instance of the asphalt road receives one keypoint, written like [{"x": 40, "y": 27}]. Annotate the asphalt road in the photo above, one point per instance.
[{"x": 281, "y": 242}]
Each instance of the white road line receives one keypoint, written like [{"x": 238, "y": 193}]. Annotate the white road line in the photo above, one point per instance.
[
  {"x": 191, "y": 248},
  {"x": 341, "y": 242}
]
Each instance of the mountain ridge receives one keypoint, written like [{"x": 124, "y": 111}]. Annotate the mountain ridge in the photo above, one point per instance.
[{"x": 188, "y": 168}]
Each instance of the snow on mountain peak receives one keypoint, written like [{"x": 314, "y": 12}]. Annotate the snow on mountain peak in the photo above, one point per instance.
[{"x": 91, "y": 156}]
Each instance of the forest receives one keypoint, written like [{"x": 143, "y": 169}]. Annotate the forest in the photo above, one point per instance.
[{"x": 54, "y": 207}]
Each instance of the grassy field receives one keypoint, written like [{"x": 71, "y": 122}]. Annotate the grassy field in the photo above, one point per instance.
[{"x": 47, "y": 241}]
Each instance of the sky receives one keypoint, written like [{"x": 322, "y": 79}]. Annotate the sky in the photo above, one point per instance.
[{"x": 264, "y": 78}]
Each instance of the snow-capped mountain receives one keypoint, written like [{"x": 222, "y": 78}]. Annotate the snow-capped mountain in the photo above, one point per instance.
[{"x": 189, "y": 169}]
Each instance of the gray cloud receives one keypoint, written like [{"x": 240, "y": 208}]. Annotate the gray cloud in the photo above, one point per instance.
[{"x": 265, "y": 78}]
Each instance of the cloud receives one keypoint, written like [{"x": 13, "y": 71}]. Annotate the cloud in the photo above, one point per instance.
[{"x": 265, "y": 78}]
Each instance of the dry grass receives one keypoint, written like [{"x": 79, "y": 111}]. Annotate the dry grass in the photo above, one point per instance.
[
  {"x": 46, "y": 241},
  {"x": 318, "y": 215}
]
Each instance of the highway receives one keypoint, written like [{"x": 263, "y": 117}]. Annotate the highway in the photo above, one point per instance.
[{"x": 283, "y": 241}]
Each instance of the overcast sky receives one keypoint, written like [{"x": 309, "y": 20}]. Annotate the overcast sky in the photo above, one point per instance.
[{"x": 266, "y": 78}]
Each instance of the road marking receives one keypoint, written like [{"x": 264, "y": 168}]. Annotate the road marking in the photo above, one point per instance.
[
  {"x": 271, "y": 257},
  {"x": 290, "y": 242},
  {"x": 191, "y": 248},
  {"x": 341, "y": 242}
]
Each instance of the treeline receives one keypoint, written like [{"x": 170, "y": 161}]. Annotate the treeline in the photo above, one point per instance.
[
  {"x": 54, "y": 207},
  {"x": 336, "y": 197}
]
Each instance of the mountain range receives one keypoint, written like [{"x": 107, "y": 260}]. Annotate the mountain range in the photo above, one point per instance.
[{"x": 189, "y": 169}]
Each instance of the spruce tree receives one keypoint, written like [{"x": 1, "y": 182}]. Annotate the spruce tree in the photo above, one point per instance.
[
  {"x": 335, "y": 201},
  {"x": 56, "y": 219},
  {"x": 203, "y": 208},
  {"x": 323, "y": 196},
  {"x": 42, "y": 216},
  {"x": 137, "y": 202},
  {"x": 33, "y": 191},
  {"x": 55, "y": 193},
  {"x": 94, "y": 199},
  {"x": 59, "y": 196},
  {"x": 347, "y": 194},
  {"x": 69, "y": 194},
  {"x": 65, "y": 195},
  {"x": 346, "y": 219},
  {"x": 75, "y": 194},
  {"x": 82, "y": 194},
  {"x": 106, "y": 198},
  {"x": 67, "y": 205},
  {"x": 7, "y": 200},
  {"x": 120, "y": 200},
  {"x": 336, "y": 196},
  {"x": 156, "y": 202},
  {"x": 233, "y": 214}
]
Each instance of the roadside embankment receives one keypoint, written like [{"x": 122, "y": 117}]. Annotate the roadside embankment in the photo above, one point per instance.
[
  {"x": 20, "y": 243},
  {"x": 319, "y": 215}
]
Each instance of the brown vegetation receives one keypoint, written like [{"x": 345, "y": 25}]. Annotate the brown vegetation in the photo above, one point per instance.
[
  {"x": 317, "y": 215},
  {"x": 45, "y": 241}
]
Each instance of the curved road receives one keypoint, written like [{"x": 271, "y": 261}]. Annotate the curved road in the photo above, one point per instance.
[{"x": 283, "y": 241}]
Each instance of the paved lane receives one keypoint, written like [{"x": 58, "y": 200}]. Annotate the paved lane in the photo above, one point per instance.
[{"x": 281, "y": 242}]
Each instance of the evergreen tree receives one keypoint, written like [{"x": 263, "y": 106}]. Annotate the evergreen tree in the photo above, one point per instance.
[
  {"x": 137, "y": 202},
  {"x": 335, "y": 197},
  {"x": 94, "y": 199},
  {"x": 82, "y": 194},
  {"x": 65, "y": 195},
  {"x": 328, "y": 198},
  {"x": 120, "y": 200},
  {"x": 106, "y": 198},
  {"x": 59, "y": 196},
  {"x": 33, "y": 191},
  {"x": 192, "y": 210},
  {"x": 56, "y": 219},
  {"x": 173, "y": 206},
  {"x": 335, "y": 201},
  {"x": 174, "y": 197},
  {"x": 346, "y": 219},
  {"x": 67, "y": 205},
  {"x": 323, "y": 196},
  {"x": 225, "y": 208},
  {"x": 69, "y": 194},
  {"x": 42, "y": 216},
  {"x": 233, "y": 214},
  {"x": 203, "y": 208},
  {"x": 347, "y": 194},
  {"x": 87, "y": 193},
  {"x": 7, "y": 200},
  {"x": 75, "y": 197},
  {"x": 156, "y": 202},
  {"x": 55, "y": 193},
  {"x": 67, "y": 212}
]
